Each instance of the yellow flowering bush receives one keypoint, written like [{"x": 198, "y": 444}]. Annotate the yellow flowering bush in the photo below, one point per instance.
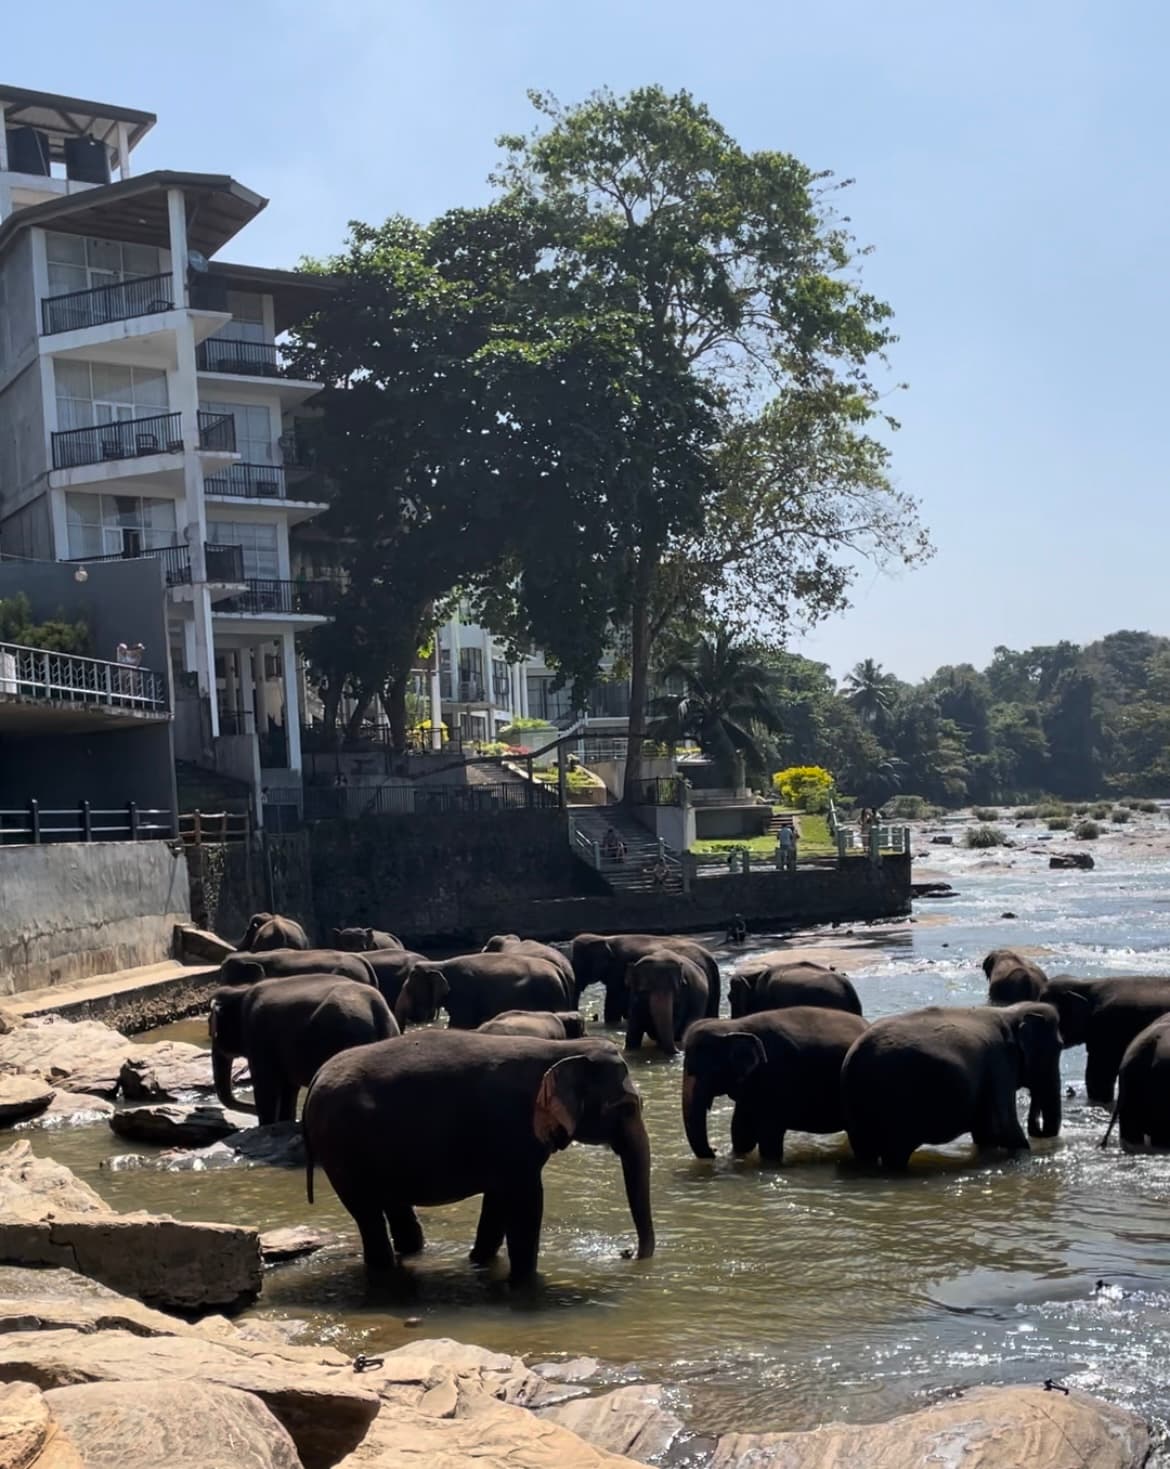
[{"x": 809, "y": 787}]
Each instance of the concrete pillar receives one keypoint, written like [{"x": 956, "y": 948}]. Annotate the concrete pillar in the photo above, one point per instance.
[
  {"x": 436, "y": 696},
  {"x": 177, "y": 220},
  {"x": 231, "y": 692},
  {"x": 489, "y": 690},
  {"x": 453, "y": 632},
  {"x": 204, "y": 650},
  {"x": 123, "y": 151},
  {"x": 292, "y": 708},
  {"x": 5, "y": 187},
  {"x": 523, "y": 672},
  {"x": 259, "y": 703}
]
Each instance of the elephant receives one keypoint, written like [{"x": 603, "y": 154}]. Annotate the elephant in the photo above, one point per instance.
[
  {"x": 436, "y": 1117},
  {"x": 391, "y": 967},
  {"x": 668, "y": 991},
  {"x": 288, "y": 1029},
  {"x": 781, "y": 1067},
  {"x": 928, "y": 1076},
  {"x": 1012, "y": 978},
  {"x": 362, "y": 940},
  {"x": 512, "y": 943},
  {"x": 563, "y": 1025},
  {"x": 1143, "y": 1090},
  {"x": 473, "y": 988},
  {"x": 604, "y": 958},
  {"x": 777, "y": 986},
  {"x": 279, "y": 963},
  {"x": 267, "y": 931},
  {"x": 1104, "y": 1015}
]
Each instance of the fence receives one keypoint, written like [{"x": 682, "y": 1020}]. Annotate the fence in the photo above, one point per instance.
[
  {"x": 68, "y": 678},
  {"x": 140, "y": 296},
  {"x": 387, "y": 800},
  {"x": 663, "y": 790},
  {"x": 197, "y": 827},
  {"x": 34, "y": 824}
]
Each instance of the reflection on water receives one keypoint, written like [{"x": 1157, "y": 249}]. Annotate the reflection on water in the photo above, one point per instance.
[{"x": 781, "y": 1298}]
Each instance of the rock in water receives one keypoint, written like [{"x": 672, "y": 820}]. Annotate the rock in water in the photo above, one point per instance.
[
  {"x": 1082, "y": 860},
  {"x": 188, "y": 1425},
  {"x": 23, "y": 1096},
  {"x": 629, "y": 1420},
  {"x": 277, "y": 1245},
  {"x": 81, "y": 1055},
  {"x": 177, "y": 1127},
  {"x": 167, "y": 1071},
  {"x": 989, "y": 1428}
]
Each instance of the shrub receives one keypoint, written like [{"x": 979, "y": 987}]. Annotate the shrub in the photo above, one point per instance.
[
  {"x": 1149, "y": 807},
  {"x": 907, "y": 808},
  {"x": 808, "y": 787},
  {"x": 1100, "y": 812},
  {"x": 1081, "y": 808},
  {"x": 1119, "y": 815},
  {"x": 1026, "y": 813},
  {"x": 1087, "y": 831},
  {"x": 985, "y": 813},
  {"x": 984, "y": 836},
  {"x": 1059, "y": 823},
  {"x": 1051, "y": 808}
]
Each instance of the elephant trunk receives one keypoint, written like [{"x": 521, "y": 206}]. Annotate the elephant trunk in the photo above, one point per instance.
[
  {"x": 1044, "y": 1110},
  {"x": 696, "y": 1103},
  {"x": 661, "y": 1006},
  {"x": 632, "y": 1146},
  {"x": 221, "y": 1075}
]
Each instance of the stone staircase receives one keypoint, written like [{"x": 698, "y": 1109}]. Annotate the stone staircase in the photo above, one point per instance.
[{"x": 640, "y": 871}]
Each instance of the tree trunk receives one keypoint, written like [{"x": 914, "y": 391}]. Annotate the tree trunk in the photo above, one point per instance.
[
  {"x": 394, "y": 703},
  {"x": 640, "y": 647},
  {"x": 331, "y": 700},
  {"x": 360, "y": 709}
]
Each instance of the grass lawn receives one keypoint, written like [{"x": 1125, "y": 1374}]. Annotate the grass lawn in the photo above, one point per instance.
[{"x": 815, "y": 840}]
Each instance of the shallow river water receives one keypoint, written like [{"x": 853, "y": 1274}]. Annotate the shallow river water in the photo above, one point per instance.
[{"x": 783, "y": 1298}]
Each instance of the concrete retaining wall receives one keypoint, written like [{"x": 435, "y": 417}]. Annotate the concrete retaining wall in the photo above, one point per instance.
[{"x": 70, "y": 910}]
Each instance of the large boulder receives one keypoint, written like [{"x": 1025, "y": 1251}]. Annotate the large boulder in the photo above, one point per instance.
[
  {"x": 23, "y": 1096},
  {"x": 173, "y": 1126},
  {"x": 629, "y": 1420},
  {"x": 29, "y": 1436},
  {"x": 169, "y": 1071},
  {"x": 193, "y": 1425},
  {"x": 989, "y": 1428},
  {"x": 49, "y": 1217},
  {"x": 80, "y": 1055},
  {"x": 70, "y": 1109},
  {"x": 1083, "y": 861},
  {"x": 313, "y": 1393}
]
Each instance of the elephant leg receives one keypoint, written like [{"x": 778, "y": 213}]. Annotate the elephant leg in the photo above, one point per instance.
[
  {"x": 1101, "y": 1067},
  {"x": 405, "y": 1230},
  {"x": 266, "y": 1093},
  {"x": 525, "y": 1211},
  {"x": 286, "y": 1106},
  {"x": 615, "y": 1003},
  {"x": 744, "y": 1129},
  {"x": 489, "y": 1236},
  {"x": 772, "y": 1141},
  {"x": 635, "y": 1030}
]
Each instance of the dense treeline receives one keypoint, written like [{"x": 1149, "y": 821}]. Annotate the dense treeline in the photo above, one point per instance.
[{"x": 1066, "y": 720}]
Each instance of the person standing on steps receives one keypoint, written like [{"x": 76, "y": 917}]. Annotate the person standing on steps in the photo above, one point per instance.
[{"x": 786, "y": 848}]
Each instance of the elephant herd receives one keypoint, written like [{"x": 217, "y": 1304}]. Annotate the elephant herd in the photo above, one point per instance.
[{"x": 514, "y": 1077}]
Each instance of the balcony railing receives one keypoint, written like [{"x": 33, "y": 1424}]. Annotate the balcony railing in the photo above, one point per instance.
[
  {"x": 141, "y": 297},
  {"x": 224, "y": 563},
  {"x": 217, "y": 431},
  {"x": 35, "y": 824},
  {"x": 248, "y": 482},
  {"x": 67, "y": 678},
  {"x": 235, "y": 355},
  {"x": 264, "y": 596},
  {"x": 125, "y": 438}
]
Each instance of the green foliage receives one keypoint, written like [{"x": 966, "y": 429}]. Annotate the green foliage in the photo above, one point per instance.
[
  {"x": 907, "y": 808},
  {"x": 984, "y": 836},
  {"x": 1060, "y": 823},
  {"x": 1082, "y": 808},
  {"x": 807, "y": 787},
  {"x": 523, "y": 722},
  {"x": 1119, "y": 816},
  {"x": 985, "y": 813},
  {"x": 1149, "y": 807},
  {"x": 1086, "y": 831},
  {"x": 1099, "y": 812},
  {"x": 1026, "y": 813},
  {"x": 1047, "y": 809},
  {"x": 54, "y": 636}
]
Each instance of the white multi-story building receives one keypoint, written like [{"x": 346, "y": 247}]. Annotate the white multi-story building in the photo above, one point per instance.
[{"x": 144, "y": 404}]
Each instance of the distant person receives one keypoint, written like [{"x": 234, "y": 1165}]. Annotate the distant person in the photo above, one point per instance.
[
  {"x": 786, "y": 846},
  {"x": 737, "y": 930},
  {"x": 613, "y": 849}
]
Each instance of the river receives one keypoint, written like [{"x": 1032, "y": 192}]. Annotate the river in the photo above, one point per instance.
[{"x": 784, "y": 1298}]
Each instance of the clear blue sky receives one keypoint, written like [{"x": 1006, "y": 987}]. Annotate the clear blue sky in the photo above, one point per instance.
[{"x": 1011, "y": 167}]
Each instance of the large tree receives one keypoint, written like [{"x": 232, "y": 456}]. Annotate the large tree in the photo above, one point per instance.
[{"x": 747, "y": 473}]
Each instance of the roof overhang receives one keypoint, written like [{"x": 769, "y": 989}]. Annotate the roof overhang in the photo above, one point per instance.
[
  {"x": 135, "y": 210},
  {"x": 295, "y": 293},
  {"x": 71, "y": 117}
]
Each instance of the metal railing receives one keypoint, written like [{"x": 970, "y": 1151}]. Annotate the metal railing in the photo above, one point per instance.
[
  {"x": 217, "y": 431},
  {"x": 662, "y": 790},
  {"x": 422, "y": 800},
  {"x": 34, "y": 824},
  {"x": 68, "y": 678},
  {"x": 264, "y": 596},
  {"x": 125, "y": 438},
  {"x": 142, "y": 296},
  {"x": 584, "y": 847},
  {"x": 176, "y": 560},
  {"x": 236, "y": 355},
  {"x": 224, "y": 563},
  {"x": 248, "y": 482}
]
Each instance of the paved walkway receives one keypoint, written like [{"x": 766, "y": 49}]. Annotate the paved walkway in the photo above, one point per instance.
[{"x": 143, "y": 996}]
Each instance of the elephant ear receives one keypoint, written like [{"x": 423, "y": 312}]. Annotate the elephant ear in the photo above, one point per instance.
[
  {"x": 559, "y": 1100},
  {"x": 248, "y": 971},
  {"x": 747, "y": 1052},
  {"x": 438, "y": 986},
  {"x": 335, "y": 937},
  {"x": 1037, "y": 1032},
  {"x": 989, "y": 963}
]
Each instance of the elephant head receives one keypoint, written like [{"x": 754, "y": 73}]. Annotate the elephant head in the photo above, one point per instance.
[
  {"x": 1036, "y": 1031},
  {"x": 656, "y": 980},
  {"x": 592, "y": 1099},
  {"x": 573, "y": 1022},
  {"x": 255, "y": 924},
  {"x": 1074, "y": 1005},
  {"x": 499, "y": 942},
  {"x": 718, "y": 1062},
  {"x": 423, "y": 991},
  {"x": 1011, "y": 979},
  {"x": 353, "y": 940},
  {"x": 225, "y": 1026},
  {"x": 741, "y": 991}
]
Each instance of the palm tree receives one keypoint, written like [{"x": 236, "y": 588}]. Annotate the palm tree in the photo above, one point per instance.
[
  {"x": 725, "y": 704},
  {"x": 870, "y": 690}
]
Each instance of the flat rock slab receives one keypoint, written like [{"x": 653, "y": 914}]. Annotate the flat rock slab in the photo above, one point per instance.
[
  {"x": 277, "y": 1245},
  {"x": 629, "y": 1420},
  {"x": 23, "y": 1096},
  {"x": 34, "y": 1188},
  {"x": 30, "y": 1438},
  {"x": 144, "y": 1425},
  {"x": 169, "y": 1071},
  {"x": 175, "y": 1126},
  {"x": 325, "y": 1409},
  {"x": 81, "y": 1055},
  {"x": 989, "y": 1428},
  {"x": 70, "y": 1109}
]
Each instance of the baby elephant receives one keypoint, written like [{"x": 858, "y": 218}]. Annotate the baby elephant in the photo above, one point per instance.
[
  {"x": 288, "y": 1029},
  {"x": 547, "y": 1025},
  {"x": 781, "y": 1067}
]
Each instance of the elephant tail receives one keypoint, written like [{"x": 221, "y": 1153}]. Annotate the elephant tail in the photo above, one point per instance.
[
  {"x": 1116, "y": 1109},
  {"x": 308, "y": 1147}
]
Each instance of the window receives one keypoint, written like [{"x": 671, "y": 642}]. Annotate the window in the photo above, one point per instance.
[
  {"x": 247, "y": 323},
  {"x": 103, "y": 392},
  {"x": 501, "y": 683},
  {"x": 108, "y": 525},
  {"x": 256, "y": 541},
  {"x": 253, "y": 431},
  {"x": 80, "y": 264}
]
